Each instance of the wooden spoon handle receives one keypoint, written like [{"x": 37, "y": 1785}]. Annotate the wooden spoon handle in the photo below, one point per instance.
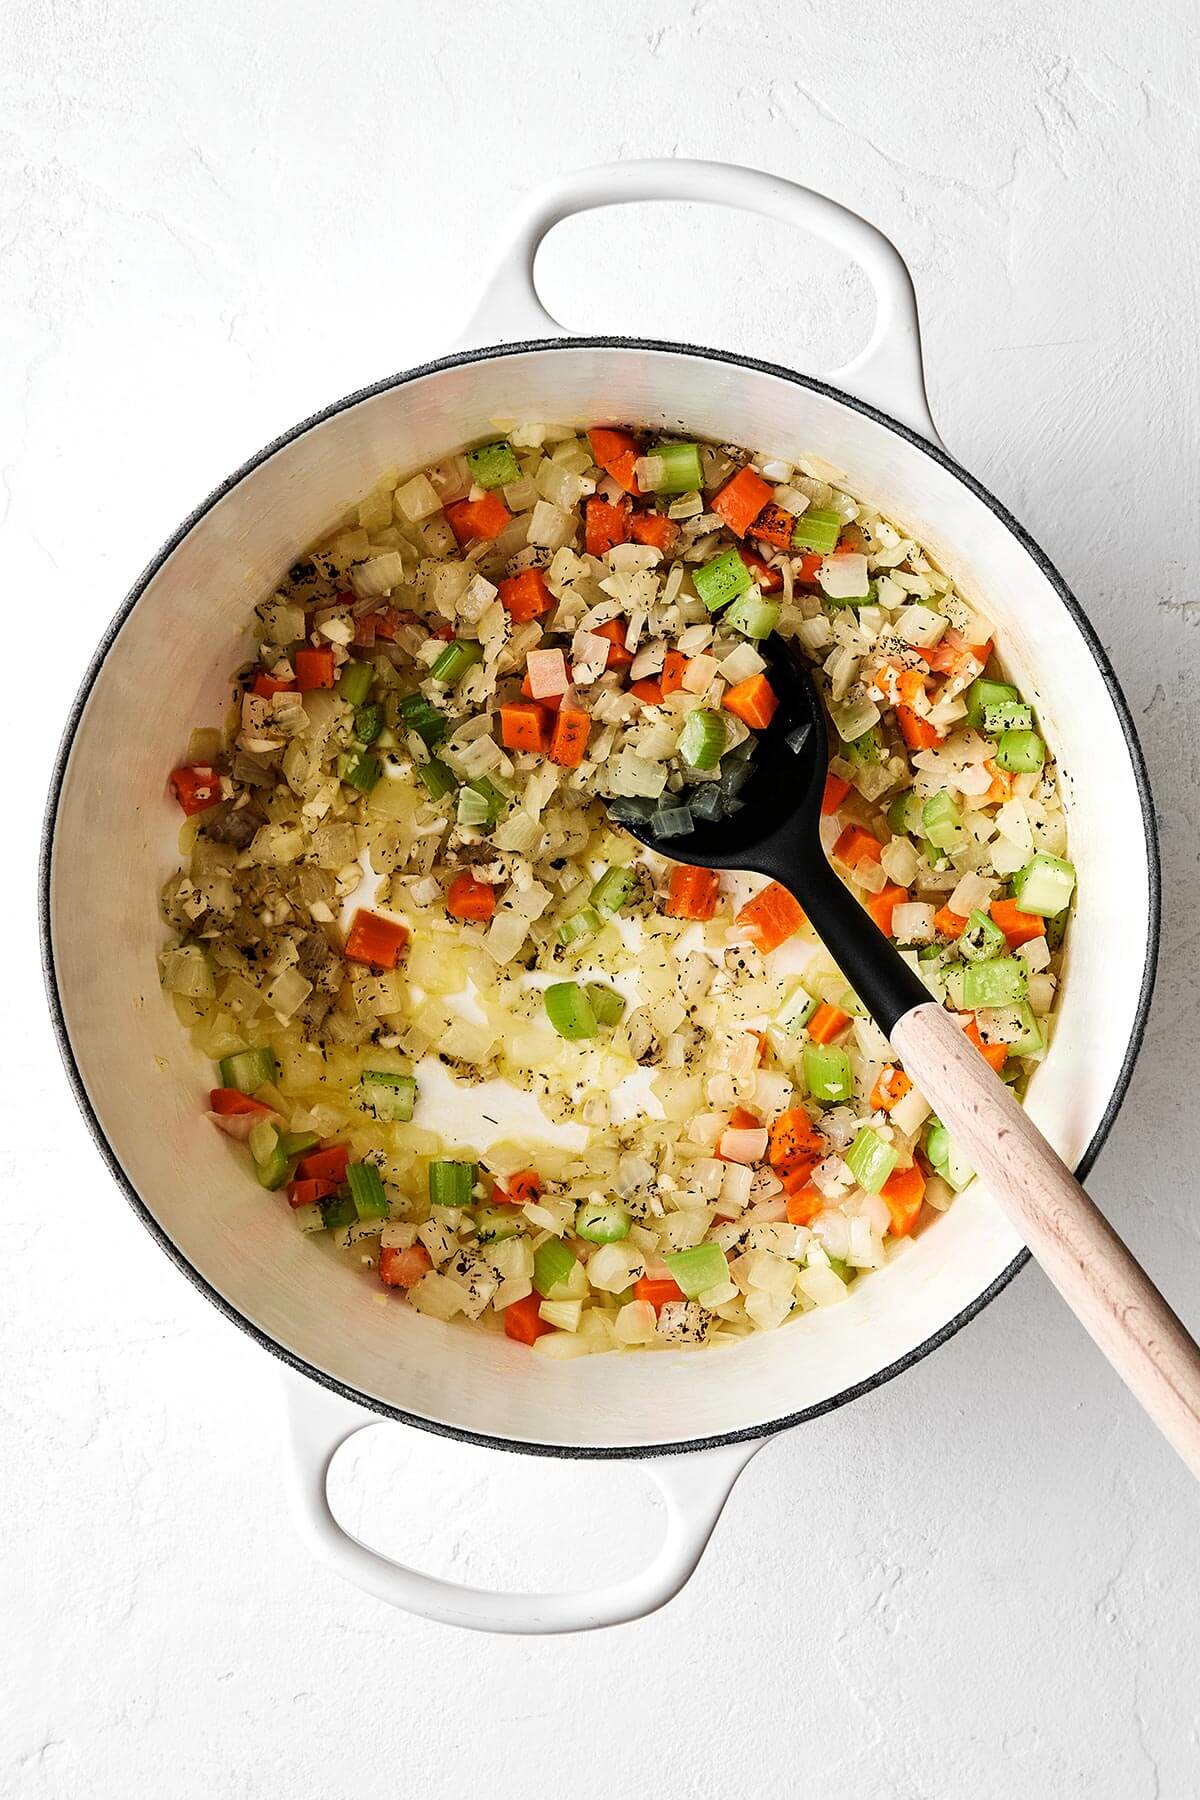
[{"x": 1108, "y": 1291}]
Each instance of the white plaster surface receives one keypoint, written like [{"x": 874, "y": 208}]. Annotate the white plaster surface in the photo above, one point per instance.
[{"x": 979, "y": 1582}]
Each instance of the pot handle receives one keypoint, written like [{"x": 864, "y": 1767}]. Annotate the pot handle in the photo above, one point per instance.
[
  {"x": 886, "y": 374},
  {"x": 694, "y": 1487}
]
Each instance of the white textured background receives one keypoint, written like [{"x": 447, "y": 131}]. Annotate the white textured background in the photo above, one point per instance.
[{"x": 980, "y": 1582}]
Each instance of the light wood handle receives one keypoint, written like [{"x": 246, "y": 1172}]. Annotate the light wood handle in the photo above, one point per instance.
[{"x": 1108, "y": 1291}]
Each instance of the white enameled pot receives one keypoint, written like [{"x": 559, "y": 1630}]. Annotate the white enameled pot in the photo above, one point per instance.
[{"x": 111, "y": 839}]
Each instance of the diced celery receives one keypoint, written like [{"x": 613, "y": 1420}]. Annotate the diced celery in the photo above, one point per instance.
[
  {"x": 981, "y": 938},
  {"x": 601, "y": 1224},
  {"x": 473, "y": 809},
  {"x": 1044, "y": 885},
  {"x": 359, "y": 769},
  {"x": 680, "y": 471},
  {"x": 904, "y": 813},
  {"x": 338, "y": 1211},
  {"x": 941, "y": 821},
  {"x": 495, "y": 797},
  {"x": 702, "y": 739},
  {"x": 295, "y": 1143},
  {"x": 1007, "y": 715},
  {"x": 416, "y": 713},
  {"x": 983, "y": 693},
  {"x": 247, "y": 1070},
  {"x": 672, "y": 821},
  {"x": 495, "y": 1223},
  {"x": 606, "y": 1003},
  {"x": 494, "y": 465},
  {"x": 1020, "y": 752},
  {"x": 827, "y": 1073},
  {"x": 817, "y": 529},
  {"x": 582, "y": 924},
  {"x": 612, "y": 889},
  {"x": 451, "y": 1183},
  {"x": 390, "y": 1097},
  {"x": 366, "y": 1191},
  {"x": 570, "y": 1011},
  {"x": 270, "y": 1163},
  {"x": 436, "y": 778},
  {"x": 698, "y": 1269},
  {"x": 553, "y": 1267},
  {"x": 871, "y": 1160},
  {"x": 752, "y": 616},
  {"x": 999, "y": 981},
  {"x": 455, "y": 660},
  {"x": 354, "y": 682},
  {"x": 867, "y": 748},
  {"x": 796, "y": 1011},
  {"x": 721, "y": 579},
  {"x": 939, "y": 1148}
]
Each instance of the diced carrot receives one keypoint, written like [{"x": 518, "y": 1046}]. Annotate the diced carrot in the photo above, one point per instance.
[
  {"x": 827, "y": 1023},
  {"x": 551, "y": 701},
  {"x": 836, "y": 789},
  {"x": 1002, "y": 782},
  {"x": 314, "y": 669},
  {"x": 884, "y": 679},
  {"x": 387, "y": 622},
  {"x": 478, "y": 521},
  {"x": 605, "y": 525},
  {"x": 808, "y": 565},
  {"x": 196, "y": 787},
  {"x": 518, "y": 1189},
  {"x": 525, "y": 725},
  {"x": 1018, "y": 927},
  {"x": 521, "y": 1320},
  {"x": 902, "y": 1194},
  {"x": 327, "y": 1164},
  {"x": 648, "y": 690},
  {"x": 792, "y": 1136},
  {"x": 891, "y": 1085},
  {"x": 753, "y": 701},
  {"x": 657, "y": 1289},
  {"x": 771, "y": 917},
  {"x": 655, "y": 529},
  {"x": 616, "y": 452},
  {"x": 768, "y": 579},
  {"x": 804, "y": 1205},
  {"x": 444, "y": 632},
  {"x": 674, "y": 669},
  {"x": 693, "y": 893},
  {"x": 404, "y": 1268},
  {"x": 310, "y": 1192},
  {"x": 917, "y": 732},
  {"x": 741, "y": 500},
  {"x": 881, "y": 906},
  {"x": 948, "y": 924},
  {"x": 995, "y": 1055},
  {"x": 856, "y": 845},
  {"x": 568, "y": 745},
  {"x": 525, "y": 596},
  {"x": 798, "y": 1174},
  {"x": 267, "y": 686},
  {"x": 467, "y": 898},
  {"x": 375, "y": 940},
  {"x": 774, "y": 526},
  {"x": 742, "y": 1119},
  {"x": 910, "y": 684},
  {"x": 614, "y": 630},
  {"x": 228, "y": 1101},
  {"x": 949, "y": 655}
]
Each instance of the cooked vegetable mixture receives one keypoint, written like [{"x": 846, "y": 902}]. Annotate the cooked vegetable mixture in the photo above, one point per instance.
[{"x": 405, "y": 883}]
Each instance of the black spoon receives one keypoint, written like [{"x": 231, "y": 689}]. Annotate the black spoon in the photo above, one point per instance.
[{"x": 776, "y": 832}]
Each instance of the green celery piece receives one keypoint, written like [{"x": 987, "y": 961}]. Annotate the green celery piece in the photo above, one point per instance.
[
  {"x": 390, "y": 1097},
  {"x": 998, "y": 981},
  {"x": 1020, "y": 752},
  {"x": 871, "y": 1160},
  {"x": 582, "y": 924},
  {"x": 455, "y": 660},
  {"x": 416, "y": 713},
  {"x": 698, "y": 1269},
  {"x": 368, "y": 723},
  {"x": 983, "y": 693},
  {"x": 721, "y": 579},
  {"x": 866, "y": 748},
  {"x": 702, "y": 739},
  {"x": 612, "y": 889},
  {"x": 295, "y": 1143},
  {"x": 817, "y": 529},
  {"x": 553, "y": 1265},
  {"x": 981, "y": 937},
  {"x": 601, "y": 1224},
  {"x": 939, "y": 1148},
  {"x": 248, "y": 1070},
  {"x": 570, "y": 1011},
  {"x": 495, "y": 1223},
  {"x": 681, "y": 471},
  {"x": 354, "y": 682},
  {"x": 752, "y": 616},
  {"x": 451, "y": 1183},
  {"x": 1007, "y": 715},
  {"x": 366, "y": 1191},
  {"x": 359, "y": 769},
  {"x": 339, "y": 1210},
  {"x": 606, "y": 1003},
  {"x": 941, "y": 821},
  {"x": 904, "y": 814},
  {"x": 796, "y": 1011},
  {"x": 1044, "y": 885},
  {"x": 494, "y": 796},
  {"x": 494, "y": 465},
  {"x": 435, "y": 778},
  {"x": 827, "y": 1073}
]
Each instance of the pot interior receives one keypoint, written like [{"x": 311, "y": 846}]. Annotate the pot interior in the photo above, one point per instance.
[{"x": 115, "y": 842}]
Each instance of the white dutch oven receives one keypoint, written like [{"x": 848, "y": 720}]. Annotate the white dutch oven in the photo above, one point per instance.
[{"x": 111, "y": 840}]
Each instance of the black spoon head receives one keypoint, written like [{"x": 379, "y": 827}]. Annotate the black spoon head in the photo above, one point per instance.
[{"x": 782, "y": 798}]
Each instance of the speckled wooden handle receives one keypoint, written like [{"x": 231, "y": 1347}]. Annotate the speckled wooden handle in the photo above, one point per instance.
[{"x": 1108, "y": 1291}]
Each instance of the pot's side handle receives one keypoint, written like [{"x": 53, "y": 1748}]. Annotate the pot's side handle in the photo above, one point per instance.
[
  {"x": 887, "y": 373},
  {"x": 694, "y": 1488}
]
